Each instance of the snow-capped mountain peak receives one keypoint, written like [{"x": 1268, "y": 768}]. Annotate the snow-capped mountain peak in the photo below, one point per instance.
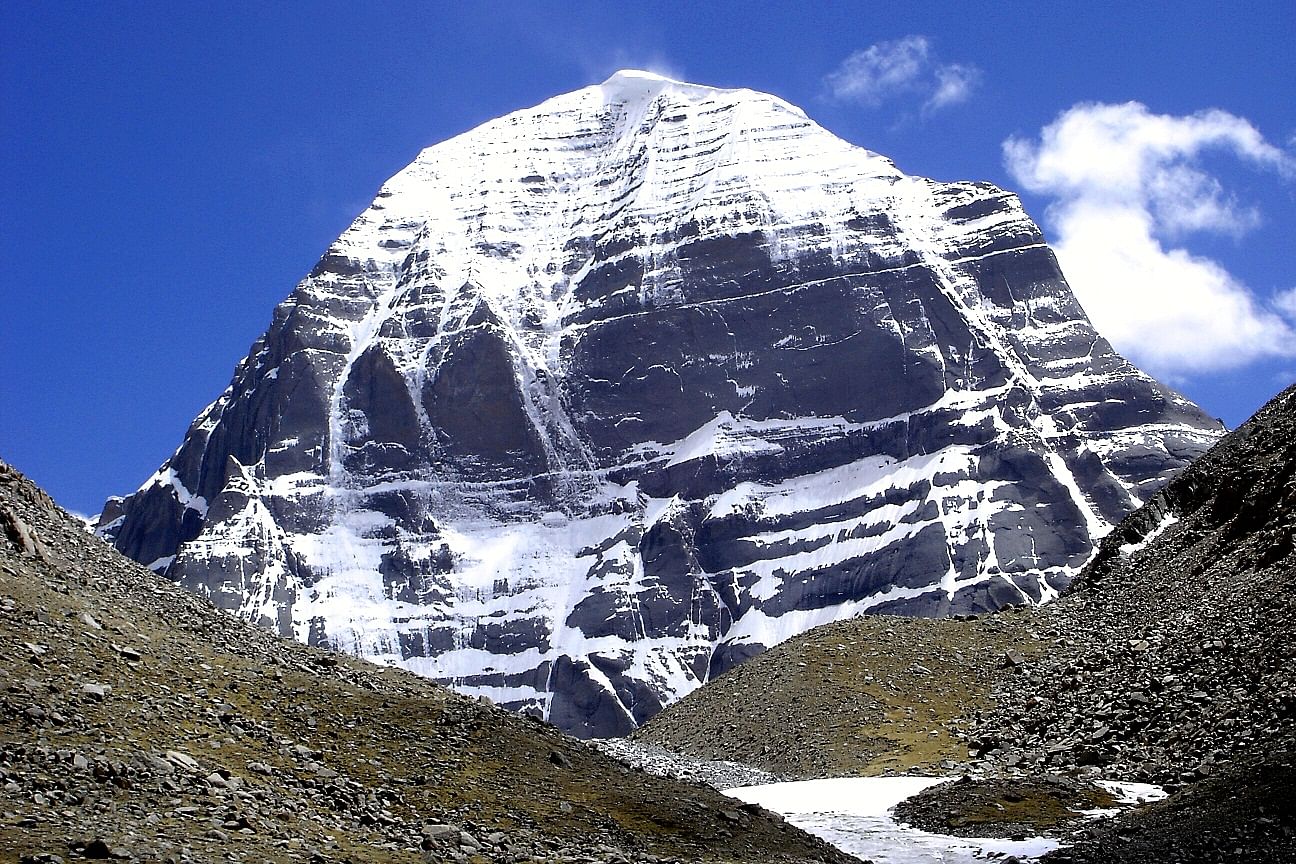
[{"x": 605, "y": 395}]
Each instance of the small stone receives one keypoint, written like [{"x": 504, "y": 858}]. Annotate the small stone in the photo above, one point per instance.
[
  {"x": 97, "y": 849},
  {"x": 88, "y": 620},
  {"x": 161, "y": 766},
  {"x": 437, "y": 832},
  {"x": 182, "y": 760},
  {"x": 97, "y": 692}
]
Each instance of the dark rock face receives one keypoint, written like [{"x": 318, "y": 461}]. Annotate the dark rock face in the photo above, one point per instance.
[
  {"x": 477, "y": 415},
  {"x": 612, "y": 393}
]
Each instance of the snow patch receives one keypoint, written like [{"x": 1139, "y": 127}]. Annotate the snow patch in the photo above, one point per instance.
[
  {"x": 1128, "y": 549},
  {"x": 853, "y": 814}
]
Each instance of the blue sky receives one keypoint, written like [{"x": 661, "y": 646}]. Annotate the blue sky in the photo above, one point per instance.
[{"x": 169, "y": 171}]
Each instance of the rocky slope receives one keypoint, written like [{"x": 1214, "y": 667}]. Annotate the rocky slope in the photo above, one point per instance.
[
  {"x": 1176, "y": 648},
  {"x": 139, "y": 723},
  {"x": 1245, "y": 813},
  {"x": 1171, "y": 659},
  {"x": 609, "y": 394}
]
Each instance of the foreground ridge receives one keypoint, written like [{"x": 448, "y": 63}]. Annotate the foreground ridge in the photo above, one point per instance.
[
  {"x": 139, "y": 723},
  {"x": 607, "y": 395}
]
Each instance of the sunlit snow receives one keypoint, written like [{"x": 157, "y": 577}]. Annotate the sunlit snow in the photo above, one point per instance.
[{"x": 852, "y": 814}]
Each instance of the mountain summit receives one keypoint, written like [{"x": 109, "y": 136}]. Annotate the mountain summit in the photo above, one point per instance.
[{"x": 609, "y": 394}]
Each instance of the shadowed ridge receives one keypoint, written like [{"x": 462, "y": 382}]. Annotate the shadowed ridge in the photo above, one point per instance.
[{"x": 138, "y": 722}]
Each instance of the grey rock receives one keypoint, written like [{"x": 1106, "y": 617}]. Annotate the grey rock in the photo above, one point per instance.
[
  {"x": 97, "y": 692},
  {"x": 438, "y": 831},
  {"x": 182, "y": 760},
  {"x": 161, "y": 766},
  {"x": 98, "y": 849}
]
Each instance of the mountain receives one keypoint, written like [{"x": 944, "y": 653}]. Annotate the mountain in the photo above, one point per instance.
[
  {"x": 1171, "y": 658},
  {"x": 607, "y": 395},
  {"x": 139, "y": 723}
]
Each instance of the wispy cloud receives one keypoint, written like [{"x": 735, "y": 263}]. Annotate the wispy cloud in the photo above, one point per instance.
[
  {"x": 1128, "y": 189},
  {"x": 1285, "y": 302},
  {"x": 600, "y": 62},
  {"x": 954, "y": 84},
  {"x": 901, "y": 69}
]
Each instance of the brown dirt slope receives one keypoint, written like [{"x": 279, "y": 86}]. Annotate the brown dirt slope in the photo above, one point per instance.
[
  {"x": 136, "y": 721},
  {"x": 1179, "y": 656},
  {"x": 865, "y": 696}
]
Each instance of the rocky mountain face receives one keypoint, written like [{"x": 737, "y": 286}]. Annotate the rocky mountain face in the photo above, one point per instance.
[
  {"x": 139, "y": 724},
  {"x": 603, "y": 397},
  {"x": 1171, "y": 659}
]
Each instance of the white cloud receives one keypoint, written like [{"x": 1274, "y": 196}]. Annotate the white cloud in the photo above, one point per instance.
[
  {"x": 901, "y": 68},
  {"x": 954, "y": 84},
  {"x": 598, "y": 62},
  {"x": 1128, "y": 187},
  {"x": 1285, "y": 302}
]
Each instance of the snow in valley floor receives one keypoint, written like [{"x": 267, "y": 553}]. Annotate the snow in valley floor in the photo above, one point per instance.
[{"x": 854, "y": 813}]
